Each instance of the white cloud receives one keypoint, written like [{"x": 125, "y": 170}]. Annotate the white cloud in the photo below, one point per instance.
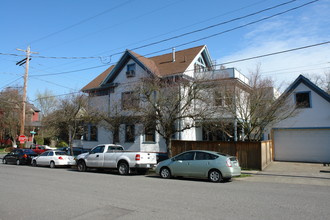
[{"x": 286, "y": 32}]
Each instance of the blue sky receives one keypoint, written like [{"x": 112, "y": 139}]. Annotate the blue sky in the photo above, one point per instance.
[{"x": 105, "y": 28}]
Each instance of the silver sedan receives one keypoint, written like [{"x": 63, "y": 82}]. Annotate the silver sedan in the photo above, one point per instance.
[
  {"x": 200, "y": 164},
  {"x": 53, "y": 158}
]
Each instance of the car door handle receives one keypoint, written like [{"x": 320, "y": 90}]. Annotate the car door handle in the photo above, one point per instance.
[{"x": 97, "y": 155}]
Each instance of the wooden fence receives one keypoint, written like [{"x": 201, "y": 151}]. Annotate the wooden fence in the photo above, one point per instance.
[{"x": 251, "y": 155}]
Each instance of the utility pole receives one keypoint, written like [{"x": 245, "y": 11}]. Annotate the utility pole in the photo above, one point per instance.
[{"x": 26, "y": 61}]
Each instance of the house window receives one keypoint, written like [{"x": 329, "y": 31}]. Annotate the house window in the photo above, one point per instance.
[
  {"x": 90, "y": 133},
  {"x": 149, "y": 134},
  {"x": 116, "y": 135},
  {"x": 218, "y": 98},
  {"x": 303, "y": 100},
  {"x": 223, "y": 98},
  {"x": 130, "y": 70},
  {"x": 129, "y": 100},
  {"x": 129, "y": 133}
]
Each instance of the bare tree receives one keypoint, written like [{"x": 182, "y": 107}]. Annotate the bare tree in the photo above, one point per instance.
[
  {"x": 321, "y": 80},
  {"x": 258, "y": 107},
  {"x": 10, "y": 111},
  {"x": 68, "y": 120},
  {"x": 169, "y": 106},
  {"x": 46, "y": 102}
]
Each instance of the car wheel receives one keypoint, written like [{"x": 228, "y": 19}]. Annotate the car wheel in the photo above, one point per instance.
[
  {"x": 215, "y": 176},
  {"x": 34, "y": 163},
  {"x": 81, "y": 166},
  {"x": 52, "y": 164},
  {"x": 4, "y": 161},
  {"x": 18, "y": 162},
  {"x": 165, "y": 173},
  {"x": 123, "y": 168}
]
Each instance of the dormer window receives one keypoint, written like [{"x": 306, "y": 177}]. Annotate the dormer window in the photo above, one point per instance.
[{"x": 130, "y": 70}]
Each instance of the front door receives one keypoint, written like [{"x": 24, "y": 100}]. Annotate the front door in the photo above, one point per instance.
[
  {"x": 181, "y": 165},
  {"x": 95, "y": 157},
  {"x": 43, "y": 158}
]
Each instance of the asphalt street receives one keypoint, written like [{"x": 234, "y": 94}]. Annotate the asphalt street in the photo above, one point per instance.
[{"x": 43, "y": 193}]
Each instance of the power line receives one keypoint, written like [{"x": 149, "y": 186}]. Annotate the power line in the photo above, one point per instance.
[
  {"x": 71, "y": 93},
  {"x": 213, "y": 35},
  {"x": 213, "y": 26},
  {"x": 80, "y": 22},
  {"x": 185, "y": 27},
  {"x": 275, "y": 53},
  {"x": 53, "y": 83},
  {"x": 195, "y": 31},
  {"x": 234, "y": 61},
  {"x": 11, "y": 82},
  {"x": 73, "y": 71},
  {"x": 235, "y": 28}
]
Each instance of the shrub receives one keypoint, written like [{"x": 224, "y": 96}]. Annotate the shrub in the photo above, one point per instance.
[{"x": 62, "y": 144}]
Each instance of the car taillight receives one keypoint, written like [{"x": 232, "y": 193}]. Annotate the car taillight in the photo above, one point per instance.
[
  {"x": 137, "y": 157},
  {"x": 25, "y": 156},
  {"x": 228, "y": 163},
  {"x": 60, "y": 158}
]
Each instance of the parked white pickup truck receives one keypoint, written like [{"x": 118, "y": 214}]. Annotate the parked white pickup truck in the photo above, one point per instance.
[{"x": 114, "y": 157}]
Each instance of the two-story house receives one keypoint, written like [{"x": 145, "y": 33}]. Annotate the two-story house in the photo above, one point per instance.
[{"x": 112, "y": 92}]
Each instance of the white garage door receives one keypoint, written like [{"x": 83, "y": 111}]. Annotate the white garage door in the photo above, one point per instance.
[{"x": 305, "y": 145}]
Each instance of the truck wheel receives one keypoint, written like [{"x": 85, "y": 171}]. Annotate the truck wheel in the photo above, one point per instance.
[
  {"x": 81, "y": 166},
  {"x": 123, "y": 168}
]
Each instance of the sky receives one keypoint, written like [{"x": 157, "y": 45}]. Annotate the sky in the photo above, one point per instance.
[{"x": 76, "y": 40}]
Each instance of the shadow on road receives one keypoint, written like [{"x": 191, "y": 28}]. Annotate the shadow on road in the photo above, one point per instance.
[{"x": 287, "y": 175}]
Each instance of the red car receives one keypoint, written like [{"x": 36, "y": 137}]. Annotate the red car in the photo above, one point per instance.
[{"x": 38, "y": 148}]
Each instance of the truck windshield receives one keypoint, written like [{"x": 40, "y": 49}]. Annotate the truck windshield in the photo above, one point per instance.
[{"x": 98, "y": 149}]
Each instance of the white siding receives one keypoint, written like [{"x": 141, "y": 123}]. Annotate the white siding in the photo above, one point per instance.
[{"x": 316, "y": 116}]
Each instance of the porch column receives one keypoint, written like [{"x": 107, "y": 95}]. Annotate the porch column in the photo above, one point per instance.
[
  {"x": 235, "y": 130},
  {"x": 243, "y": 134}
]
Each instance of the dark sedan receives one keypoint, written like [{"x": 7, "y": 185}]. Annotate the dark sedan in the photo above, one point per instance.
[{"x": 19, "y": 156}]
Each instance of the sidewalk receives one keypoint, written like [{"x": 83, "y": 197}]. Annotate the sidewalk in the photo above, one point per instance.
[{"x": 291, "y": 172}]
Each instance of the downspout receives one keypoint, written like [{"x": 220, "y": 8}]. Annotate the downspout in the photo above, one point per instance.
[{"x": 235, "y": 119}]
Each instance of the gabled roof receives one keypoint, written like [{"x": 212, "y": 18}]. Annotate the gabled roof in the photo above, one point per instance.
[
  {"x": 161, "y": 66},
  {"x": 183, "y": 59},
  {"x": 98, "y": 80},
  {"x": 309, "y": 84}
]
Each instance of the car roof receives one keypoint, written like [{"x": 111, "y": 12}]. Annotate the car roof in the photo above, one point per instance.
[{"x": 208, "y": 151}]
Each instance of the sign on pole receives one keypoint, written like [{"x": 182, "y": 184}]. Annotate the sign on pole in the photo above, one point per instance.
[{"x": 22, "y": 139}]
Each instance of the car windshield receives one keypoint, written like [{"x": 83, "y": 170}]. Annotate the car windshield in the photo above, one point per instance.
[{"x": 60, "y": 153}]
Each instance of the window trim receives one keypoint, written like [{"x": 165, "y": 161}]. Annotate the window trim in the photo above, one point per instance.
[
  {"x": 151, "y": 130},
  {"x": 130, "y": 70},
  {"x": 126, "y": 133},
  {"x": 130, "y": 102}
]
